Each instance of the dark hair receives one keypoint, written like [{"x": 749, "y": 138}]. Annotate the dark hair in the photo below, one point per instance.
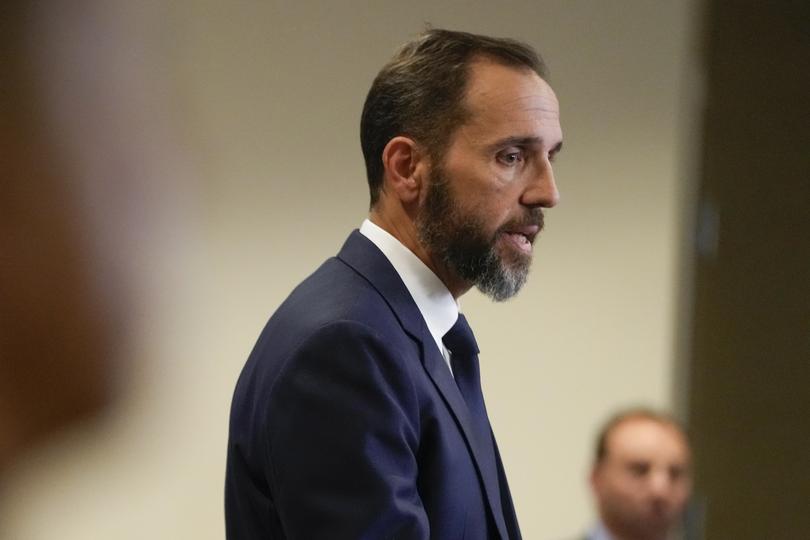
[
  {"x": 635, "y": 413},
  {"x": 420, "y": 92}
]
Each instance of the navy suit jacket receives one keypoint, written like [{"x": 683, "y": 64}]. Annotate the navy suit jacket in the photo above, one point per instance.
[{"x": 346, "y": 422}]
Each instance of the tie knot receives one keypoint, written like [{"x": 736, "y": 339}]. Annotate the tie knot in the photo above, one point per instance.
[{"x": 460, "y": 339}]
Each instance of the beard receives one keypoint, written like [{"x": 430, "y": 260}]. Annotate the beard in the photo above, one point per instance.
[{"x": 460, "y": 241}]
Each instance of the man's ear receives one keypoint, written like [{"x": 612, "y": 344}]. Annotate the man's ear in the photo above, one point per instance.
[{"x": 405, "y": 167}]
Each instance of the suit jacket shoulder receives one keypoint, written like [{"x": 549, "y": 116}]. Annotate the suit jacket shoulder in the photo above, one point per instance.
[{"x": 345, "y": 422}]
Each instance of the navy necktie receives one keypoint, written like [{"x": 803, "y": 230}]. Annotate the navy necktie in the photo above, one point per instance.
[{"x": 464, "y": 360}]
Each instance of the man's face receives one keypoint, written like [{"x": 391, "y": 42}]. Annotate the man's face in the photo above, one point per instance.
[
  {"x": 643, "y": 482},
  {"x": 483, "y": 205}
]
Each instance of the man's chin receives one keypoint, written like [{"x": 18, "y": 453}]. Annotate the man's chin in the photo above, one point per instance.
[{"x": 504, "y": 284}]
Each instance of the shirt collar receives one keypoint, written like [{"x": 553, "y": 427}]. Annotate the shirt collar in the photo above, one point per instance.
[
  {"x": 435, "y": 303},
  {"x": 600, "y": 532}
]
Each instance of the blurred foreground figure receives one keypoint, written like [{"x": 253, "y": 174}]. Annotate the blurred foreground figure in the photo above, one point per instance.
[
  {"x": 92, "y": 178},
  {"x": 359, "y": 413},
  {"x": 641, "y": 477},
  {"x": 56, "y": 328}
]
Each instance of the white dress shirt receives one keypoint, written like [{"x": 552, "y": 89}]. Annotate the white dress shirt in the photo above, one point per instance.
[
  {"x": 435, "y": 303},
  {"x": 599, "y": 532}
]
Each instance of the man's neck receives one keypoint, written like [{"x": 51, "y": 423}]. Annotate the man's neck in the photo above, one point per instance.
[{"x": 405, "y": 231}]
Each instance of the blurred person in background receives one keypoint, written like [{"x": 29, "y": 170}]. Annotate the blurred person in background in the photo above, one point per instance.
[{"x": 641, "y": 477}]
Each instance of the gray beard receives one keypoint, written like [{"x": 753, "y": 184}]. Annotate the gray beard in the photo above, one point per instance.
[{"x": 459, "y": 242}]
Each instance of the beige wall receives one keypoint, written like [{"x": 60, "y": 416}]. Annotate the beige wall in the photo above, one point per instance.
[{"x": 255, "y": 176}]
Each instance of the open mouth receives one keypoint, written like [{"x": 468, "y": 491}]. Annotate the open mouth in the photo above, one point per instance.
[
  {"x": 520, "y": 241},
  {"x": 522, "y": 237}
]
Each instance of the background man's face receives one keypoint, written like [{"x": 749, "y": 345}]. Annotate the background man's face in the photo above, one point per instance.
[
  {"x": 483, "y": 206},
  {"x": 643, "y": 482}
]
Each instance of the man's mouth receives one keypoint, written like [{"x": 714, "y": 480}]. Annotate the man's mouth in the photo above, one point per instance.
[{"x": 522, "y": 237}]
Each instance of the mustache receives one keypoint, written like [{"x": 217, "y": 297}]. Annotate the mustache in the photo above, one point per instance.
[{"x": 531, "y": 217}]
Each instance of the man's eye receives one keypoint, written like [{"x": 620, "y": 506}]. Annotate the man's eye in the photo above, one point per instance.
[
  {"x": 676, "y": 473},
  {"x": 512, "y": 156},
  {"x": 638, "y": 469}
]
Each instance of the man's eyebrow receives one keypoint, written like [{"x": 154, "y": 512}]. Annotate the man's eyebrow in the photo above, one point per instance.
[
  {"x": 523, "y": 141},
  {"x": 516, "y": 141}
]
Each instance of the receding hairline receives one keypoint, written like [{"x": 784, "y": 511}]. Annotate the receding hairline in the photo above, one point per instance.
[
  {"x": 636, "y": 415},
  {"x": 486, "y": 58}
]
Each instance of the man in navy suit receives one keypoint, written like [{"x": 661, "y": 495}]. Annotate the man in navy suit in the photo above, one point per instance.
[{"x": 359, "y": 412}]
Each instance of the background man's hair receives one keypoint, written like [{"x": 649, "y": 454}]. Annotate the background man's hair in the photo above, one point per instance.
[
  {"x": 635, "y": 413},
  {"x": 420, "y": 92}
]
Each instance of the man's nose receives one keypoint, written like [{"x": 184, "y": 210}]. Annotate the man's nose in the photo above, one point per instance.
[
  {"x": 541, "y": 190},
  {"x": 659, "y": 483}
]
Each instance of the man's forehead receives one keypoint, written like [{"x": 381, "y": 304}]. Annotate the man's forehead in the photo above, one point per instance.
[
  {"x": 642, "y": 436},
  {"x": 491, "y": 82},
  {"x": 508, "y": 101}
]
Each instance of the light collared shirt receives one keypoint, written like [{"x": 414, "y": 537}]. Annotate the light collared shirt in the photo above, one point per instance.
[
  {"x": 599, "y": 532},
  {"x": 438, "y": 307}
]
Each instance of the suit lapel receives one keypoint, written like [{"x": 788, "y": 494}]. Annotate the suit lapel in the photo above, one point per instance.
[
  {"x": 365, "y": 258},
  {"x": 447, "y": 387},
  {"x": 506, "y": 498}
]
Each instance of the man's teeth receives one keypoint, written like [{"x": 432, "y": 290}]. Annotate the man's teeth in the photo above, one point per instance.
[{"x": 521, "y": 238}]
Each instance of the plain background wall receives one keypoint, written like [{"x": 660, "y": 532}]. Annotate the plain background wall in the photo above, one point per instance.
[{"x": 239, "y": 126}]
